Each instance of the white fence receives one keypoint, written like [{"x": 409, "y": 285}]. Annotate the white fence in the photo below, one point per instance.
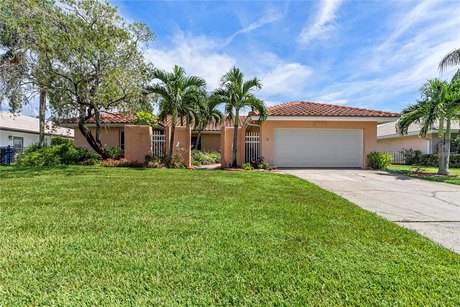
[
  {"x": 252, "y": 146},
  {"x": 159, "y": 143}
]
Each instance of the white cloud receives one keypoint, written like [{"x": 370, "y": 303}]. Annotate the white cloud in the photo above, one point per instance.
[
  {"x": 396, "y": 67},
  {"x": 323, "y": 24},
  {"x": 268, "y": 18},
  {"x": 198, "y": 55},
  {"x": 285, "y": 79},
  {"x": 201, "y": 56}
]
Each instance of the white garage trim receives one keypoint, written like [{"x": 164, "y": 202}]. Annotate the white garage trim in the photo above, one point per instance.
[{"x": 312, "y": 147}]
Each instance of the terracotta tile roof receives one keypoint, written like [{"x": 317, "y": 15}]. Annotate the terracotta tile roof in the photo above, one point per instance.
[
  {"x": 306, "y": 108},
  {"x": 129, "y": 118},
  {"x": 213, "y": 126},
  {"x": 107, "y": 118}
]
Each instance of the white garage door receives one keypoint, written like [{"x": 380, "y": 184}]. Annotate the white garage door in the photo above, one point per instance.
[{"x": 318, "y": 148}]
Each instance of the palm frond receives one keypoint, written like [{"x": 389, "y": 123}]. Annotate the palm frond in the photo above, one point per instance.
[{"x": 451, "y": 59}]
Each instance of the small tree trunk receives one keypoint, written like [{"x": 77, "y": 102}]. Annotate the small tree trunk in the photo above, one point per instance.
[
  {"x": 97, "y": 146},
  {"x": 235, "y": 139},
  {"x": 42, "y": 118}
]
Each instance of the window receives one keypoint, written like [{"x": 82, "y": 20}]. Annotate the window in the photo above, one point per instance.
[
  {"x": 18, "y": 143},
  {"x": 122, "y": 139}
]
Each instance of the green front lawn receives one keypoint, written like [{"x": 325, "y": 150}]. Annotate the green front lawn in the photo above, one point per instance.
[
  {"x": 101, "y": 236},
  {"x": 453, "y": 178}
]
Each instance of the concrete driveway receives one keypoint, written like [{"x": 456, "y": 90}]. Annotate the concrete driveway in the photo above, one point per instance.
[{"x": 430, "y": 208}]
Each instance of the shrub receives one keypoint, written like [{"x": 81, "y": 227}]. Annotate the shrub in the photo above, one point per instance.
[
  {"x": 115, "y": 152},
  {"x": 59, "y": 140},
  {"x": 162, "y": 161},
  {"x": 264, "y": 165},
  {"x": 62, "y": 152},
  {"x": 256, "y": 162},
  {"x": 119, "y": 163},
  {"x": 247, "y": 166},
  {"x": 379, "y": 160},
  {"x": 201, "y": 157},
  {"x": 455, "y": 145},
  {"x": 412, "y": 157},
  {"x": 433, "y": 160}
]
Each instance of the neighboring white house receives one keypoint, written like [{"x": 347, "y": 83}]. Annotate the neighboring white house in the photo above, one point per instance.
[
  {"x": 20, "y": 131},
  {"x": 389, "y": 140}
]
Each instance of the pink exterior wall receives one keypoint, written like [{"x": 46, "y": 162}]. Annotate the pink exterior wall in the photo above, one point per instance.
[
  {"x": 182, "y": 143},
  {"x": 226, "y": 146},
  {"x": 407, "y": 142},
  {"x": 210, "y": 141},
  {"x": 138, "y": 142},
  {"x": 267, "y": 133},
  {"x": 110, "y": 137}
]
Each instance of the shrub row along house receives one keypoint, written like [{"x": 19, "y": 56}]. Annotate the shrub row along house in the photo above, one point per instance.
[{"x": 295, "y": 134}]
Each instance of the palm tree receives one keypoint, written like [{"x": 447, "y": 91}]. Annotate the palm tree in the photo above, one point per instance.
[
  {"x": 451, "y": 59},
  {"x": 237, "y": 95},
  {"x": 208, "y": 113},
  {"x": 178, "y": 97},
  {"x": 439, "y": 103}
]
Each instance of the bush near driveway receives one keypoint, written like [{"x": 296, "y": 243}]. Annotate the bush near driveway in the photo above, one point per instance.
[
  {"x": 379, "y": 160},
  {"x": 124, "y": 236}
]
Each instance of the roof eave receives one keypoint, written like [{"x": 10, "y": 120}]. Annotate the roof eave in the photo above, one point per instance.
[{"x": 331, "y": 118}]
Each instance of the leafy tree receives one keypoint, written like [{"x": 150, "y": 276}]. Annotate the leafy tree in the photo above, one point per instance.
[
  {"x": 451, "y": 59},
  {"x": 86, "y": 57},
  {"x": 208, "y": 113},
  {"x": 12, "y": 65},
  {"x": 237, "y": 95},
  {"x": 439, "y": 104},
  {"x": 179, "y": 97}
]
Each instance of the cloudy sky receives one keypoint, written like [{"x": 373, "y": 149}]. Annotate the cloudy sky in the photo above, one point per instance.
[{"x": 373, "y": 54}]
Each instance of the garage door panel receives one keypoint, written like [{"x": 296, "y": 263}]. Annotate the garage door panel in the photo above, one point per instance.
[{"x": 318, "y": 148}]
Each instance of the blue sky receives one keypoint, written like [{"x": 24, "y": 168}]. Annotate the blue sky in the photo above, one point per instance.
[{"x": 373, "y": 54}]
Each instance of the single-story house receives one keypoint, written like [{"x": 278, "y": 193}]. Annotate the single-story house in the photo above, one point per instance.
[
  {"x": 20, "y": 131},
  {"x": 295, "y": 134},
  {"x": 389, "y": 140},
  {"x": 113, "y": 126}
]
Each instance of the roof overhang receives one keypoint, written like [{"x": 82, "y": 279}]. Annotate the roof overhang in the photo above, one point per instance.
[
  {"x": 330, "y": 118},
  {"x": 429, "y": 134},
  {"x": 68, "y": 125}
]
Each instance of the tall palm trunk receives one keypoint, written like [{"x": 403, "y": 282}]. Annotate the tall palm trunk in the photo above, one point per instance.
[
  {"x": 444, "y": 151},
  {"x": 197, "y": 142},
  {"x": 171, "y": 141},
  {"x": 235, "y": 138},
  {"x": 42, "y": 118}
]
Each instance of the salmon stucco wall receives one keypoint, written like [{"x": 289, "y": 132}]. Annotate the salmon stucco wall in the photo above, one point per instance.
[
  {"x": 227, "y": 144},
  {"x": 110, "y": 137},
  {"x": 210, "y": 141},
  {"x": 396, "y": 144},
  {"x": 138, "y": 142},
  {"x": 267, "y": 133},
  {"x": 182, "y": 143}
]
